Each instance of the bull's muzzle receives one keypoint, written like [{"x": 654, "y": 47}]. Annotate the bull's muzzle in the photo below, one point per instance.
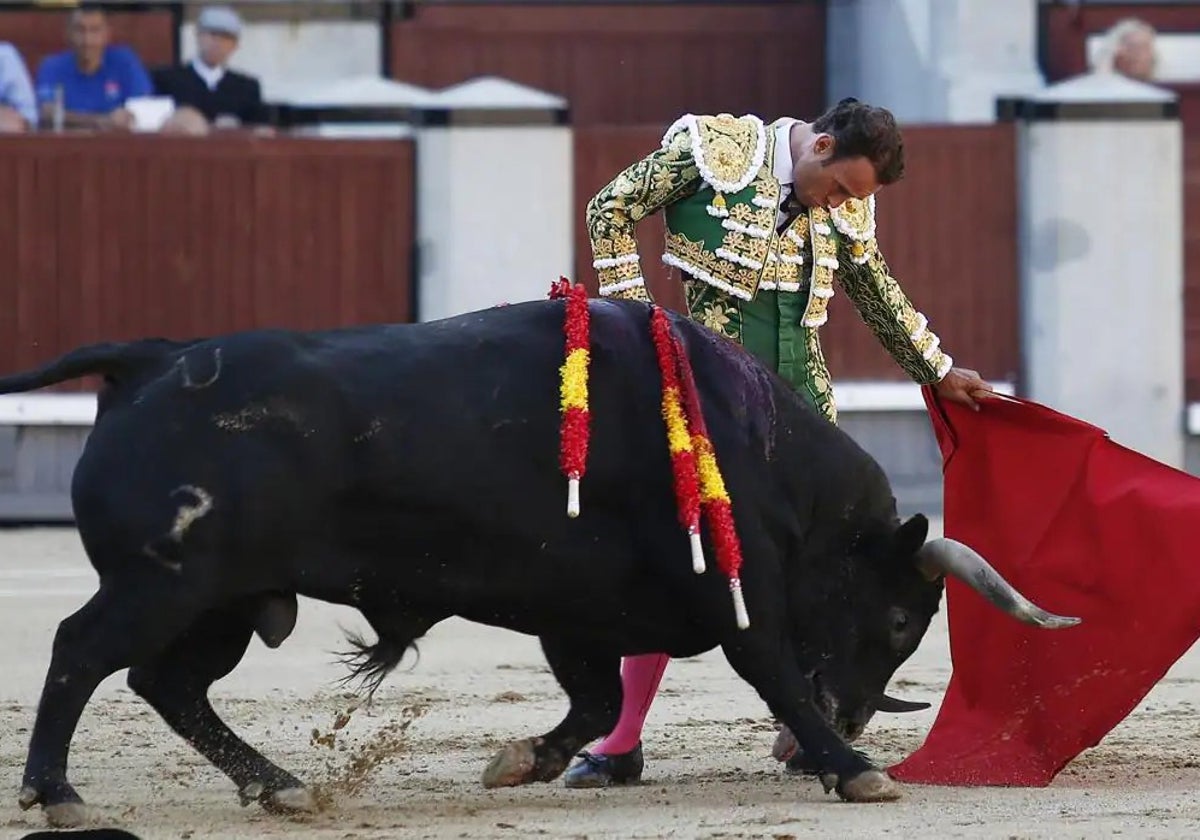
[{"x": 945, "y": 556}]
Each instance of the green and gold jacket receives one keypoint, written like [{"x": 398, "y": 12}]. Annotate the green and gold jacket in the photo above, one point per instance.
[{"x": 712, "y": 177}]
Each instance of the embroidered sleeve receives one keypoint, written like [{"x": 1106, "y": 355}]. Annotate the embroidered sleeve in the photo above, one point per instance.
[
  {"x": 901, "y": 329},
  {"x": 664, "y": 176}
]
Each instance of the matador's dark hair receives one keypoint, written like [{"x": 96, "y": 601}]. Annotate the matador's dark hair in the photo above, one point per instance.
[{"x": 862, "y": 130}]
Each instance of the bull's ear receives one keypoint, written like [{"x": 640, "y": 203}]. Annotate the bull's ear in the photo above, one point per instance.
[{"x": 910, "y": 536}]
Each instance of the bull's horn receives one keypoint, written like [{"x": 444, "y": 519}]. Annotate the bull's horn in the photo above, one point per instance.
[
  {"x": 947, "y": 556},
  {"x": 890, "y": 704}
]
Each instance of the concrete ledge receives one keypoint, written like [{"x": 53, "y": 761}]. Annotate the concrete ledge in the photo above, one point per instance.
[
  {"x": 79, "y": 409},
  {"x": 1193, "y": 418},
  {"x": 888, "y": 396}
]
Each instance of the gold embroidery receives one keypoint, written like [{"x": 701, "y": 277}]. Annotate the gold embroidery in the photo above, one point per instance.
[
  {"x": 766, "y": 192},
  {"x": 691, "y": 257},
  {"x": 902, "y": 330},
  {"x": 620, "y": 245},
  {"x": 667, "y": 175},
  {"x": 713, "y": 308},
  {"x": 792, "y": 242},
  {"x": 824, "y": 264},
  {"x": 779, "y": 275},
  {"x": 728, "y": 150},
  {"x": 743, "y": 250},
  {"x": 818, "y": 373},
  {"x": 855, "y": 219},
  {"x": 752, "y": 221}
]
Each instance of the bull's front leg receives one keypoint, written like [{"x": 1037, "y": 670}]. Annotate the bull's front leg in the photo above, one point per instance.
[
  {"x": 592, "y": 681},
  {"x": 773, "y": 671}
]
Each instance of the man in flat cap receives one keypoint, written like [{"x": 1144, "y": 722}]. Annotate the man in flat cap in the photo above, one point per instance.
[{"x": 225, "y": 97}]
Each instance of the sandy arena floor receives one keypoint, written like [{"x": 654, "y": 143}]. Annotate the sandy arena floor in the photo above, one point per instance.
[{"x": 409, "y": 767}]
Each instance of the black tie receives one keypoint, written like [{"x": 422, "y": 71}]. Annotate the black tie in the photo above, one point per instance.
[{"x": 791, "y": 209}]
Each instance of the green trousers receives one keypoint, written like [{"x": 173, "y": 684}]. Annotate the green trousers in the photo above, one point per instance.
[{"x": 769, "y": 327}]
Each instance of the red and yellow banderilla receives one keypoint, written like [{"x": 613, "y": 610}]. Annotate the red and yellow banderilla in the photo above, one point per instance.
[
  {"x": 573, "y": 390},
  {"x": 695, "y": 462},
  {"x": 698, "y": 483}
]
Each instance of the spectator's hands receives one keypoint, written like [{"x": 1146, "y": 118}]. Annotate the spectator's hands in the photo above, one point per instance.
[
  {"x": 118, "y": 120},
  {"x": 11, "y": 122}
]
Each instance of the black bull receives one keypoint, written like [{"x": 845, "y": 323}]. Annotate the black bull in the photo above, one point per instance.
[{"x": 411, "y": 471}]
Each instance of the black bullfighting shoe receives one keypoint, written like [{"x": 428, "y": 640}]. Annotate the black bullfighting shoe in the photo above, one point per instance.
[{"x": 595, "y": 771}]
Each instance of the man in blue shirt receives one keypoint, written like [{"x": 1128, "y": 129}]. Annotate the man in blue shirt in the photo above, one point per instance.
[{"x": 92, "y": 78}]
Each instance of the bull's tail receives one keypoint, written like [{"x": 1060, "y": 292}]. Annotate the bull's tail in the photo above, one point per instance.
[
  {"x": 371, "y": 663},
  {"x": 113, "y": 360}
]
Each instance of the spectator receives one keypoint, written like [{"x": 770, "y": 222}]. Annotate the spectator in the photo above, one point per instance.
[
  {"x": 94, "y": 78},
  {"x": 18, "y": 109},
  {"x": 1128, "y": 48},
  {"x": 225, "y": 97}
]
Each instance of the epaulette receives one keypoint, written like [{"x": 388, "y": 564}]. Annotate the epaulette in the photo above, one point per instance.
[
  {"x": 728, "y": 150},
  {"x": 855, "y": 219}
]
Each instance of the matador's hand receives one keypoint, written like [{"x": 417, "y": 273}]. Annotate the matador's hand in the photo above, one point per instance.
[{"x": 965, "y": 386}]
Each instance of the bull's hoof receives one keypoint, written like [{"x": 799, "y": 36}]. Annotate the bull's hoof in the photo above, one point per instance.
[
  {"x": 514, "y": 765},
  {"x": 295, "y": 800},
  {"x": 785, "y": 745},
  {"x": 69, "y": 812},
  {"x": 870, "y": 786},
  {"x": 28, "y": 797},
  {"x": 65, "y": 814},
  {"x": 289, "y": 800}
]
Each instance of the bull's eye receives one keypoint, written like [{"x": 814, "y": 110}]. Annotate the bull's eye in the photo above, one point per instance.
[{"x": 900, "y": 623}]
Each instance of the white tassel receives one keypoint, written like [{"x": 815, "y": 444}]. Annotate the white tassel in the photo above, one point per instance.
[
  {"x": 739, "y": 604},
  {"x": 697, "y": 552},
  {"x": 573, "y": 497}
]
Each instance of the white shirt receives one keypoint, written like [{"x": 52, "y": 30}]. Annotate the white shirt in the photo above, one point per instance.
[
  {"x": 211, "y": 75},
  {"x": 782, "y": 169}
]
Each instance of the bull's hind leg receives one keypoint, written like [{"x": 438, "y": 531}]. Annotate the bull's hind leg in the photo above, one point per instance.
[
  {"x": 592, "y": 681},
  {"x": 176, "y": 685},
  {"x": 119, "y": 626}
]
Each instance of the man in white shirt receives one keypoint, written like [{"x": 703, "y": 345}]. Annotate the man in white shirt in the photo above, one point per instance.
[
  {"x": 206, "y": 84},
  {"x": 18, "y": 107}
]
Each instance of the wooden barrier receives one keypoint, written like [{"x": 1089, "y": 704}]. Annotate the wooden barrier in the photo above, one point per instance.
[
  {"x": 625, "y": 63},
  {"x": 948, "y": 231},
  {"x": 111, "y": 238},
  {"x": 117, "y": 237}
]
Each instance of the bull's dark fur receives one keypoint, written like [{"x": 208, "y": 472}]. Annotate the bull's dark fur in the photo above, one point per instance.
[{"x": 412, "y": 472}]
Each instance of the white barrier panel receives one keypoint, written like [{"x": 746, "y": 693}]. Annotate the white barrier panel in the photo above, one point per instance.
[
  {"x": 1102, "y": 258},
  {"x": 80, "y": 409}
]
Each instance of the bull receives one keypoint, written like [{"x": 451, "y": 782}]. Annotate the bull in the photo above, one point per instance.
[{"x": 410, "y": 472}]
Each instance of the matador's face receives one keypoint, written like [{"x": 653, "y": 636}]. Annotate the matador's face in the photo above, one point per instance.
[{"x": 820, "y": 180}]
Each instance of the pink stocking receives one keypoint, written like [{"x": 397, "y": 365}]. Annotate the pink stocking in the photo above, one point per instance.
[{"x": 640, "y": 676}]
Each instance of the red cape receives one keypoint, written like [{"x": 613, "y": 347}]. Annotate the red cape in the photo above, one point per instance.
[{"x": 1083, "y": 527}]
